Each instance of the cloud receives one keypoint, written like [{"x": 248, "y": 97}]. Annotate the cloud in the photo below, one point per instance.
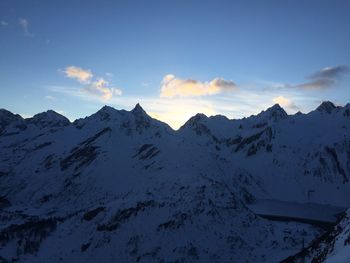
[
  {"x": 101, "y": 88},
  {"x": 330, "y": 72},
  {"x": 286, "y": 103},
  {"x": 325, "y": 78},
  {"x": 24, "y": 23},
  {"x": 49, "y": 97},
  {"x": 176, "y": 111},
  {"x": 79, "y": 74},
  {"x": 3, "y": 23},
  {"x": 175, "y": 87}
]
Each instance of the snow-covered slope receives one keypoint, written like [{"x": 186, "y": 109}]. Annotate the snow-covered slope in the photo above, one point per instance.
[
  {"x": 6, "y": 118},
  {"x": 310, "y": 152},
  {"x": 121, "y": 186},
  {"x": 331, "y": 247}
]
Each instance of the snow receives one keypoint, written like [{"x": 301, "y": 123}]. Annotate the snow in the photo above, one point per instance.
[
  {"x": 172, "y": 195},
  {"x": 341, "y": 249},
  {"x": 342, "y": 256}
]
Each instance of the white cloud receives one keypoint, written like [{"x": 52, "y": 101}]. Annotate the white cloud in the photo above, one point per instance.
[
  {"x": 3, "y": 23},
  {"x": 175, "y": 87},
  {"x": 24, "y": 23},
  {"x": 101, "y": 88},
  {"x": 79, "y": 74},
  {"x": 286, "y": 103},
  {"x": 176, "y": 110}
]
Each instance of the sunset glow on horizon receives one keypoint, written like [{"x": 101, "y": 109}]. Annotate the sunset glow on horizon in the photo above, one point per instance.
[{"x": 75, "y": 57}]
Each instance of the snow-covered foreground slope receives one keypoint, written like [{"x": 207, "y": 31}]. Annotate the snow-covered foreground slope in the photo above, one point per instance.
[
  {"x": 331, "y": 247},
  {"x": 121, "y": 186}
]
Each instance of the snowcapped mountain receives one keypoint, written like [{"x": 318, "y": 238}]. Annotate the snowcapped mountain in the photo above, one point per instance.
[
  {"x": 49, "y": 118},
  {"x": 121, "y": 186}
]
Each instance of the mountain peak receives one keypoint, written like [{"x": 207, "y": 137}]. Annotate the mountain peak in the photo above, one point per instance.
[
  {"x": 275, "y": 107},
  {"x": 200, "y": 116},
  {"x": 197, "y": 118},
  {"x": 49, "y": 118},
  {"x": 194, "y": 120},
  {"x": 48, "y": 114},
  {"x": 276, "y": 112},
  {"x": 326, "y": 106},
  {"x": 105, "y": 113},
  {"x": 6, "y": 112},
  {"x": 138, "y": 110},
  {"x": 7, "y": 117},
  {"x": 106, "y": 110}
]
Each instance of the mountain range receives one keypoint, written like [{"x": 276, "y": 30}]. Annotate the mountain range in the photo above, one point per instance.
[{"x": 120, "y": 186}]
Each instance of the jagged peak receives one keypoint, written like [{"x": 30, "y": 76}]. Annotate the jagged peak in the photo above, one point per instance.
[
  {"x": 138, "y": 109},
  {"x": 143, "y": 121},
  {"x": 326, "y": 106},
  {"x": 275, "y": 107},
  {"x": 275, "y": 112},
  {"x": 139, "y": 113}
]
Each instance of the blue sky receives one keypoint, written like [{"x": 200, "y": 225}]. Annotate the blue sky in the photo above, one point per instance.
[{"x": 176, "y": 58}]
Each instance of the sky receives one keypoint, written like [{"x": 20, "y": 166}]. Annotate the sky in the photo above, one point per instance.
[{"x": 176, "y": 58}]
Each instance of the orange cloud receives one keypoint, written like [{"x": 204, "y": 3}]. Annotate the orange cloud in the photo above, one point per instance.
[
  {"x": 175, "y": 87},
  {"x": 97, "y": 87},
  {"x": 284, "y": 102},
  {"x": 101, "y": 89},
  {"x": 79, "y": 74}
]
